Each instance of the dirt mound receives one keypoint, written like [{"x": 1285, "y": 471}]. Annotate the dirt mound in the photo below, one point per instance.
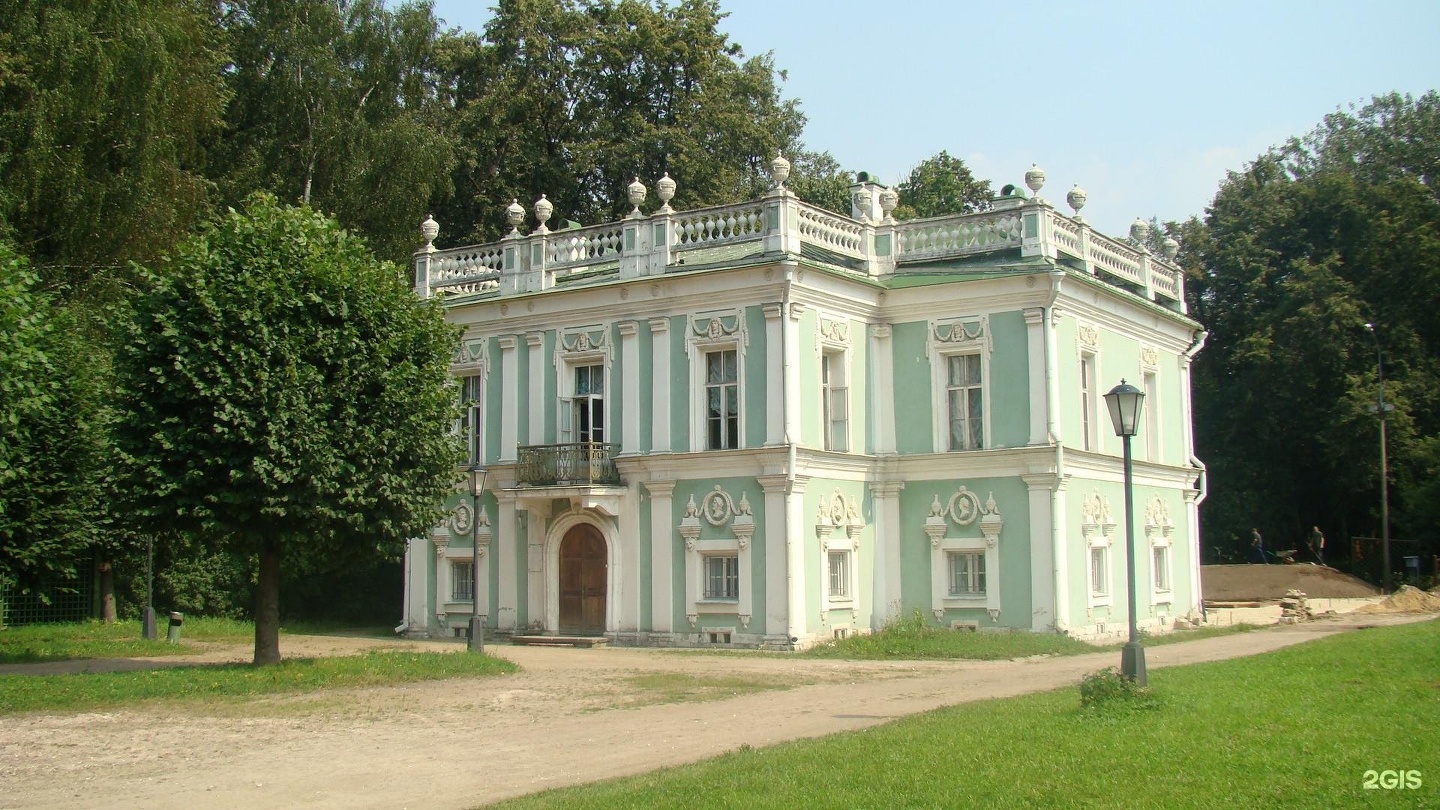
[
  {"x": 1406, "y": 600},
  {"x": 1233, "y": 583}
]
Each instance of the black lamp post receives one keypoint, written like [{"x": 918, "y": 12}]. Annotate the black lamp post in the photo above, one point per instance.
[
  {"x": 1125, "y": 402},
  {"x": 477, "y": 619},
  {"x": 1380, "y": 408}
]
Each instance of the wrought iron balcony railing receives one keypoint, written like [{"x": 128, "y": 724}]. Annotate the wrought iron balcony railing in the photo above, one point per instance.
[{"x": 567, "y": 465}]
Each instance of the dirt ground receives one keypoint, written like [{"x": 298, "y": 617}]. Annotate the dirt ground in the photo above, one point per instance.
[
  {"x": 1227, "y": 583},
  {"x": 569, "y": 717}
]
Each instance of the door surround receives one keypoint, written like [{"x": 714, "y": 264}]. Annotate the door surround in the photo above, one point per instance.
[{"x": 554, "y": 536}]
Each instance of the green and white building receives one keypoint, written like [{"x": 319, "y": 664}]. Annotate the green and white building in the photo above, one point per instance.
[{"x": 767, "y": 424}]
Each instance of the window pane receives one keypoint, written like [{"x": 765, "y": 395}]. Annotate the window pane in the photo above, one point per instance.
[
  {"x": 732, "y": 400},
  {"x": 712, "y": 397},
  {"x": 732, "y": 366},
  {"x": 972, "y": 369},
  {"x": 956, "y": 370}
]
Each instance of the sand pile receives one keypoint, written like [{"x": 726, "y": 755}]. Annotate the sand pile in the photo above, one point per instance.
[{"x": 1406, "y": 600}]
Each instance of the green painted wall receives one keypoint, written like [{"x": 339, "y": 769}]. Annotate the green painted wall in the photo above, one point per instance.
[
  {"x": 1013, "y": 499},
  {"x": 756, "y": 498},
  {"x": 494, "y": 401},
  {"x": 522, "y": 382},
  {"x": 806, "y": 333},
  {"x": 817, "y": 572},
  {"x": 552, "y": 396},
  {"x": 1009, "y": 380},
  {"x": 679, "y": 385},
  {"x": 755, "y": 383},
  {"x": 646, "y": 371},
  {"x": 859, "y": 400},
  {"x": 914, "y": 417}
]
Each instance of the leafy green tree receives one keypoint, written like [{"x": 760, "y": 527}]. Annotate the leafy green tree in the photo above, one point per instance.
[
  {"x": 818, "y": 179},
  {"x": 575, "y": 99},
  {"x": 1309, "y": 243},
  {"x": 51, "y": 433},
  {"x": 106, "y": 108},
  {"x": 334, "y": 105},
  {"x": 941, "y": 185},
  {"x": 284, "y": 395}
]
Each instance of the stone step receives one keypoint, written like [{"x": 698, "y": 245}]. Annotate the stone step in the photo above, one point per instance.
[{"x": 559, "y": 641}]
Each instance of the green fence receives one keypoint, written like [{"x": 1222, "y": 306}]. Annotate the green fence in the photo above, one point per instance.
[{"x": 70, "y": 601}]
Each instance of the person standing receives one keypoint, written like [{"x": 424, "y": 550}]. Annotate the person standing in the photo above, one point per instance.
[
  {"x": 1316, "y": 541},
  {"x": 1258, "y": 545}
]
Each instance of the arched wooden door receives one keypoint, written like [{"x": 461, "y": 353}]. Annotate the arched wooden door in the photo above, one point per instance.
[{"x": 583, "y": 570}]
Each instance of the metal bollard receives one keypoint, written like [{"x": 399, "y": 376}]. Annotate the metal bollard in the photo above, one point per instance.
[
  {"x": 173, "y": 636},
  {"x": 147, "y": 624}
]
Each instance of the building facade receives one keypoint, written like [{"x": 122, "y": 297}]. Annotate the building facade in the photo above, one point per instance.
[{"x": 767, "y": 424}]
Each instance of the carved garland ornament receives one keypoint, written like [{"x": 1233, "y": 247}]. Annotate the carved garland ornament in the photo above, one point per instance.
[
  {"x": 714, "y": 327},
  {"x": 469, "y": 356},
  {"x": 588, "y": 340},
  {"x": 835, "y": 331},
  {"x": 1150, "y": 357},
  {"x": 836, "y": 511},
  {"x": 1089, "y": 336},
  {"x": 1157, "y": 518},
  {"x": 963, "y": 508},
  {"x": 1095, "y": 514},
  {"x": 958, "y": 332},
  {"x": 718, "y": 509}
]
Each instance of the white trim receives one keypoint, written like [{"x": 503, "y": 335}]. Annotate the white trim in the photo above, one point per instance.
[
  {"x": 707, "y": 332},
  {"x": 614, "y": 570},
  {"x": 1104, "y": 544},
  {"x": 943, "y": 341},
  {"x": 722, "y": 512}
]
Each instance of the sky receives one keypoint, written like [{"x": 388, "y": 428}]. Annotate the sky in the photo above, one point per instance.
[{"x": 1145, "y": 105}]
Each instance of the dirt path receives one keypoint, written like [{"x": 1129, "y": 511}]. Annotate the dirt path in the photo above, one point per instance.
[{"x": 571, "y": 716}]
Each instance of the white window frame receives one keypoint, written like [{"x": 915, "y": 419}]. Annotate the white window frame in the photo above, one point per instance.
[
  {"x": 706, "y": 332},
  {"x": 1102, "y": 545},
  {"x": 950, "y": 558},
  {"x": 457, "y": 581},
  {"x": 722, "y": 514},
  {"x": 1162, "y": 578},
  {"x": 845, "y": 592},
  {"x": 943, "y": 404},
  {"x": 839, "y": 545},
  {"x": 1089, "y": 400},
  {"x": 941, "y": 598},
  {"x": 961, "y": 340},
  {"x": 835, "y": 379},
  {"x": 578, "y": 403},
  {"x": 706, "y": 559},
  {"x": 471, "y": 424},
  {"x": 565, "y": 365}
]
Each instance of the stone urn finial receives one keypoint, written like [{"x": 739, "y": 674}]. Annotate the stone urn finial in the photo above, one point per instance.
[
  {"x": 1139, "y": 230},
  {"x": 636, "y": 192},
  {"x": 889, "y": 201},
  {"x": 1171, "y": 248},
  {"x": 1076, "y": 199},
  {"x": 863, "y": 202},
  {"x": 543, "y": 209},
  {"x": 514, "y": 215},
  {"x": 780, "y": 170},
  {"x": 429, "y": 229},
  {"x": 1035, "y": 179},
  {"x": 665, "y": 190}
]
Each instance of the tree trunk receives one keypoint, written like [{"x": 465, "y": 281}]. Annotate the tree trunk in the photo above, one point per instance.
[
  {"x": 107, "y": 592},
  {"x": 267, "y": 607}
]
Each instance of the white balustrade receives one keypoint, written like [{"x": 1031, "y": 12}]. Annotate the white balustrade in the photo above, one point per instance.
[
  {"x": 1066, "y": 234},
  {"x": 714, "y": 226},
  {"x": 1165, "y": 280},
  {"x": 941, "y": 237},
  {"x": 1116, "y": 259},
  {"x": 831, "y": 231},
  {"x": 466, "y": 269},
  {"x": 584, "y": 245}
]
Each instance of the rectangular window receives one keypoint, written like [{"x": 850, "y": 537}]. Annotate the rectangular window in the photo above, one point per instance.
[
  {"x": 1160, "y": 556},
  {"x": 722, "y": 399},
  {"x": 469, "y": 426},
  {"x": 967, "y": 408},
  {"x": 967, "y": 573},
  {"x": 1152, "y": 418},
  {"x": 1088, "y": 401},
  {"x": 839, "y": 574},
  {"x": 589, "y": 404},
  {"x": 722, "y": 577},
  {"x": 835, "y": 401},
  {"x": 462, "y": 581},
  {"x": 1099, "y": 571}
]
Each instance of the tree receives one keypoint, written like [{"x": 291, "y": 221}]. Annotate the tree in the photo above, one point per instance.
[
  {"x": 106, "y": 107},
  {"x": 1300, "y": 250},
  {"x": 941, "y": 185},
  {"x": 816, "y": 177},
  {"x": 335, "y": 106},
  {"x": 575, "y": 99},
  {"x": 51, "y": 433},
  {"x": 283, "y": 394}
]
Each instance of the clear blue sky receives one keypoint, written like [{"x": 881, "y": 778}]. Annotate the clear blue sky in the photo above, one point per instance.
[{"x": 1145, "y": 105}]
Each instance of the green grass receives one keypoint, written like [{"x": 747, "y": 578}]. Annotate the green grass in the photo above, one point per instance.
[
  {"x": 26, "y": 693},
  {"x": 914, "y": 638},
  {"x": 1297, "y": 728},
  {"x": 36, "y": 643}
]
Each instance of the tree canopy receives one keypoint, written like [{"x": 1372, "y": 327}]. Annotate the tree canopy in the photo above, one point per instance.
[
  {"x": 1299, "y": 251},
  {"x": 941, "y": 185},
  {"x": 283, "y": 394}
]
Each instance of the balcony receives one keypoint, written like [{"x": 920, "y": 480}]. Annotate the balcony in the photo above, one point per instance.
[{"x": 581, "y": 464}]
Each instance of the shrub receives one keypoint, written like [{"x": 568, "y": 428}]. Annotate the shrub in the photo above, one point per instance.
[{"x": 1108, "y": 689}]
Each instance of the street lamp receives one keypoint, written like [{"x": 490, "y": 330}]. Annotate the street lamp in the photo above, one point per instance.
[
  {"x": 1380, "y": 408},
  {"x": 1125, "y": 402},
  {"x": 477, "y": 619}
]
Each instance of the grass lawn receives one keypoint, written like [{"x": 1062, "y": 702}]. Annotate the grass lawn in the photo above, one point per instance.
[
  {"x": 35, "y": 643},
  {"x": 1297, "y": 728},
  {"x": 25, "y": 693}
]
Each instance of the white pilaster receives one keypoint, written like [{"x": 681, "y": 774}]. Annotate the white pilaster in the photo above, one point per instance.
[
  {"x": 509, "y": 398},
  {"x": 630, "y": 387},
  {"x": 795, "y": 536},
  {"x": 888, "y": 542},
  {"x": 662, "y": 559},
  {"x": 660, "y": 385},
  {"x": 774, "y": 377},
  {"x": 793, "y": 422},
  {"x": 417, "y": 590},
  {"x": 776, "y": 599},
  {"x": 1047, "y": 572},
  {"x": 507, "y": 542},
  {"x": 534, "y": 345},
  {"x": 440, "y": 538},
  {"x": 535, "y": 516},
  {"x": 628, "y": 536},
  {"x": 882, "y": 391}
]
